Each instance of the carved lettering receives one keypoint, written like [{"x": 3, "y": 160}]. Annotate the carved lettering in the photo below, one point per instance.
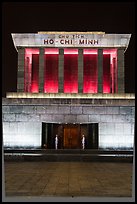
[
  {"x": 95, "y": 42},
  {"x": 62, "y": 42},
  {"x": 51, "y": 41},
  {"x": 81, "y": 42},
  {"x": 67, "y": 41},
  {"x": 45, "y": 41},
  {"x": 90, "y": 42}
]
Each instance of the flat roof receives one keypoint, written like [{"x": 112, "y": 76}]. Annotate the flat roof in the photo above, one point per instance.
[
  {"x": 73, "y": 32},
  {"x": 71, "y": 40}
]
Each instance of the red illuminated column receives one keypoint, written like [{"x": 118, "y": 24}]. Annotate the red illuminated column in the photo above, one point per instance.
[
  {"x": 90, "y": 71},
  {"x": 115, "y": 75},
  {"x": 51, "y": 73},
  {"x": 70, "y": 72},
  {"x": 31, "y": 69},
  {"x": 35, "y": 73},
  {"x": 109, "y": 71},
  {"x": 112, "y": 78},
  {"x": 106, "y": 73}
]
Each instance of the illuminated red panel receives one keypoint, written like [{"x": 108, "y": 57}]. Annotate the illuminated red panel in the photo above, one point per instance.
[
  {"x": 70, "y": 71},
  {"x": 115, "y": 75},
  {"x": 31, "y": 65},
  {"x": 71, "y": 51},
  {"x": 51, "y": 71},
  {"x": 106, "y": 73},
  {"x": 51, "y": 51},
  {"x": 90, "y": 51},
  {"x": 27, "y": 72},
  {"x": 35, "y": 74},
  {"x": 110, "y": 71},
  {"x": 112, "y": 77},
  {"x": 90, "y": 71},
  {"x": 31, "y": 51}
]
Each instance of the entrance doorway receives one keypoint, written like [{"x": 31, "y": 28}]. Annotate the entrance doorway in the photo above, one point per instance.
[
  {"x": 69, "y": 135},
  {"x": 71, "y": 138}
]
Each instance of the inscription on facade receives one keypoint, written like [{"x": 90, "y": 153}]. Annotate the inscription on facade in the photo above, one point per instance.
[{"x": 71, "y": 40}]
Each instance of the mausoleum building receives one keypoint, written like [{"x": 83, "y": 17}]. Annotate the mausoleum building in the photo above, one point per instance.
[{"x": 70, "y": 85}]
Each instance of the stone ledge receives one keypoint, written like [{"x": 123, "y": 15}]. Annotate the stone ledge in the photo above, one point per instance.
[
  {"x": 71, "y": 95},
  {"x": 67, "y": 101}
]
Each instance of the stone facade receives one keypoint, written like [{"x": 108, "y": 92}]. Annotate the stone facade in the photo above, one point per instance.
[
  {"x": 22, "y": 119},
  {"x": 113, "y": 111}
]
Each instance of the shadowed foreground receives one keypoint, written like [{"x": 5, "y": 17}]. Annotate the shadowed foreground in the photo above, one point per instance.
[{"x": 68, "y": 179}]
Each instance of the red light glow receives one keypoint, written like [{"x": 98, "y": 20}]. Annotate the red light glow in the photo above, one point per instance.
[
  {"x": 110, "y": 51},
  {"x": 106, "y": 73},
  {"x": 35, "y": 73},
  {"x": 31, "y": 66},
  {"x": 51, "y": 51},
  {"x": 90, "y": 51},
  {"x": 110, "y": 71},
  {"x": 51, "y": 73},
  {"x": 34, "y": 87},
  {"x": 71, "y": 73},
  {"x": 90, "y": 71},
  {"x": 90, "y": 79},
  {"x": 71, "y": 51},
  {"x": 31, "y": 51}
]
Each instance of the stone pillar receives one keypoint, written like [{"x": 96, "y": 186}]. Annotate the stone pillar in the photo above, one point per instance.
[
  {"x": 120, "y": 69},
  {"x": 100, "y": 70},
  {"x": 80, "y": 70},
  {"x": 61, "y": 71},
  {"x": 20, "y": 74},
  {"x": 41, "y": 70}
]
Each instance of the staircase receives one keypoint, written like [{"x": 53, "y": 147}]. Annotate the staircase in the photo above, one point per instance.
[{"x": 72, "y": 155}]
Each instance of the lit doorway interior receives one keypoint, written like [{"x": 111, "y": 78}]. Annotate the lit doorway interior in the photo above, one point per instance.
[{"x": 70, "y": 135}]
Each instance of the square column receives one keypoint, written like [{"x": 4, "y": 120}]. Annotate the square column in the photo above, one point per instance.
[
  {"x": 120, "y": 69},
  {"x": 100, "y": 70},
  {"x": 41, "y": 69},
  {"x": 80, "y": 70},
  {"x": 61, "y": 71},
  {"x": 20, "y": 74}
]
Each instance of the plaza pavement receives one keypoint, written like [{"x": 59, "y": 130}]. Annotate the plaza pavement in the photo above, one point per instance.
[{"x": 68, "y": 179}]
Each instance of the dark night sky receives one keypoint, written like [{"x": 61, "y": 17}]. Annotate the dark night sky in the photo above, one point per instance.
[{"x": 24, "y": 17}]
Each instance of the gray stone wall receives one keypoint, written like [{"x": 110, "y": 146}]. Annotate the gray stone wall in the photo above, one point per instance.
[
  {"x": 121, "y": 71},
  {"x": 41, "y": 69},
  {"x": 100, "y": 70},
  {"x": 20, "y": 74},
  {"x": 61, "y": 71},
  {"x": 22, "y": 123},
  {"x": 80, "y": 70}
]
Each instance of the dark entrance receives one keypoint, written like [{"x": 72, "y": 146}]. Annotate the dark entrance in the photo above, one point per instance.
[{"x": 70, "y": 135}]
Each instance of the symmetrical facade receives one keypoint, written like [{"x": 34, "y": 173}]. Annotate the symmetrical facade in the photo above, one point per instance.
[{"x": 70, "y": 84}]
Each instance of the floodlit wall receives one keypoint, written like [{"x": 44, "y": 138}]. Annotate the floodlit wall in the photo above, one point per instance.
[{"x": 22, "y": 119}]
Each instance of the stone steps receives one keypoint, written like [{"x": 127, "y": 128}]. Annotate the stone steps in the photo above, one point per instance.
[
  {"x": 68, "y": 155},
  {"x": 68, "y": 151}
]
